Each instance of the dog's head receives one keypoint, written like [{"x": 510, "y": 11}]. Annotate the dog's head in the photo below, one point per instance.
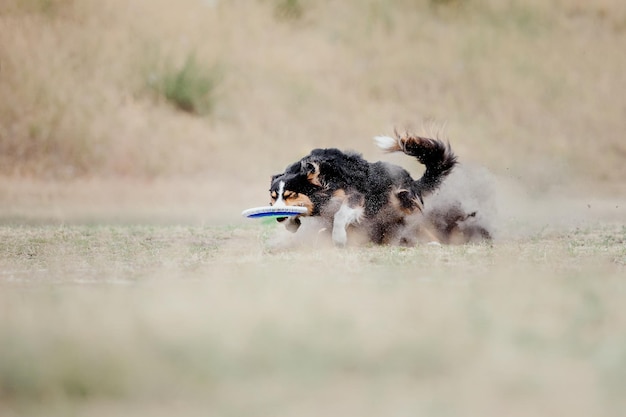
[{"x": 296, "y": 186}]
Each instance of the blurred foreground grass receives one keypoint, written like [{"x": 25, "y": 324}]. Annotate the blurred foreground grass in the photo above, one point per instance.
[{"x": 161, "y": 320}]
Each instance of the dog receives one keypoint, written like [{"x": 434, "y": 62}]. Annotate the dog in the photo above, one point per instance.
[{"x": 346, "y": 191}]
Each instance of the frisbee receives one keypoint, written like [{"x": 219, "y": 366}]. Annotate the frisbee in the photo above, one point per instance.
[{"x": 274, "y": 211}]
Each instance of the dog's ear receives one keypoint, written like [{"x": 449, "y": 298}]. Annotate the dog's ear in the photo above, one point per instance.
[
  {"x": 273, "y": 178},
  {"x": 312, "y": 171}
]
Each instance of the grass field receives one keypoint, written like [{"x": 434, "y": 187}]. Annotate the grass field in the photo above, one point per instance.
[
  {"x": 132, "y": 134},
  {"x": 203, "y": 320}
]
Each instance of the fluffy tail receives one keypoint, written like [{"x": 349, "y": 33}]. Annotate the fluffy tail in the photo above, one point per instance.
[{"x": 433, "y": 153}]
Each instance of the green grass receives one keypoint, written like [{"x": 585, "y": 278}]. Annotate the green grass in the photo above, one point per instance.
[
  {"x": 190, "y": 87},
  {"x": 119, "y": 320},
  {"x": 289, "y": 9}
]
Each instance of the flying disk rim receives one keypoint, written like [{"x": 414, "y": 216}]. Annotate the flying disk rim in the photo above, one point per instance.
[{"x": 273, "y": 211}]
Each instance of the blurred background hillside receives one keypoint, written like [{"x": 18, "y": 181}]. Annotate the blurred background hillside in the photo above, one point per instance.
[{"x": 230, "y": 92}]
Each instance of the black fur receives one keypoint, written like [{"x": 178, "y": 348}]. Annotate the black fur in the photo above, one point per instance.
[{"x": 338, "y": 185}]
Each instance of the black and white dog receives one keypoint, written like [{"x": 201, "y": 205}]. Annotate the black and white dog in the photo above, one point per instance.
[{"x": 377, "y": 198}]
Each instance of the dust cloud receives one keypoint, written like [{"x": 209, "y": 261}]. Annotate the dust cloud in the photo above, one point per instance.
[
  {"x": 503, "y": 208},
  {"x": 510, "y": 209}
]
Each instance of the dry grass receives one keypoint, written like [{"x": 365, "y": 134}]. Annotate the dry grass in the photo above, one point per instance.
[
  {"x": 519, "y": 83},
  {"x": 119, "y": 320},
  {"x": 129, "y": 285}
]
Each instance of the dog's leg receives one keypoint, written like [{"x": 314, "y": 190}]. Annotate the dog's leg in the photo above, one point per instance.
[{"x": 344, "y": 217}]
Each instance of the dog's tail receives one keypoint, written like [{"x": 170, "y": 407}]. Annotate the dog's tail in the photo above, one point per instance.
[{"x": 436, "y": 155}]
